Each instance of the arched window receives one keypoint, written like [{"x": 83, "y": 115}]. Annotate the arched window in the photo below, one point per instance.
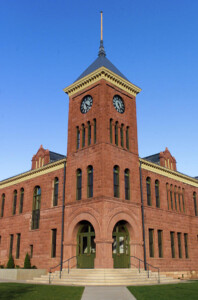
[
  {"x": 94, "y": 131},
  {"x": 2, "y": 204},
  {"x": 127, "y": 184},
  {"x": 77, "y": 138},
  {"x": 195, "y": 203},
  {"x": 36, "y": 207},
  {"x": 55, "y": 195},
  {"x": 116, "y": 133},
  {"x": 183, "y": 201},
  {"x": 127, "y": 137},
  {"x": 110, "y": 125},
  {"x": 157, "y": 196},
  {"x": 78, "y": 184},
  {"x": 21, "y": 200},
  {"x": 14, "y": 202},
  {"x": 116, "y": 181},
  {"x": 83, "y": 135},
  {"x": 89, "y": 133},
  {"x": 179, "y": 198},
  {"x": 167, "y": 193},
  {"x": 89, "y": 182},
  {"x": 148, "y": 190},
  {"x": 171, "y": 195},
  {"x": 121, "y": 135},
  {"x": 175, "y": 196}
]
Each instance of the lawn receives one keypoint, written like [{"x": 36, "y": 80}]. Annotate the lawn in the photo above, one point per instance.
[
  {"x": 9, "y": 291},
  {"x": 163, "y": 292}
]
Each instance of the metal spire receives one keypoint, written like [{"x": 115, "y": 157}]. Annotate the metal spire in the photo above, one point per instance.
[{"x": 101, "y": 49}]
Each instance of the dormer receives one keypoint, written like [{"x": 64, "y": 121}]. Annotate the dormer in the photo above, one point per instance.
[
  {"x": 164, "y": 159},
  {"x": 41, "y": 158},
  {"x": 44, "y": 157},
  {"x": 167, "y": 160}
]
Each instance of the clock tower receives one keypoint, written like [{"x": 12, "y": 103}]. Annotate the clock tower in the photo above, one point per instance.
[{"x": 103, "y": 206}]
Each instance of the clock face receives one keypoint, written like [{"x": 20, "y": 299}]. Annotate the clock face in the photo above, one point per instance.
[
  {"x": 118, "y": 104},
  {"x": 86, "y": 104}
]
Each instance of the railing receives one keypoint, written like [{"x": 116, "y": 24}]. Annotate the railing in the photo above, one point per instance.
[
  {"x": 67, "y": 260},
  {"x": 139, "y": 262}
]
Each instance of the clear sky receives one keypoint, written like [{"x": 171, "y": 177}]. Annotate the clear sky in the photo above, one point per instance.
[{"x": 46, "y": 44}]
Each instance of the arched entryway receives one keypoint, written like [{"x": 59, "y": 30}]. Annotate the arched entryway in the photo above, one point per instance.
[
  {"x": 86, "y": 247},
  {"x": 120, "y": 246}
]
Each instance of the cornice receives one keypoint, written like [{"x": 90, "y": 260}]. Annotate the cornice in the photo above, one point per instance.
[
  {"x": 149, "y": 166},
  {"x": 33, "y": 173},
  {"x": 102, "y": 73}
]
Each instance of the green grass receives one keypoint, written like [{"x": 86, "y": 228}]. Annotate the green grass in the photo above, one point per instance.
[
  {"x": 179, "y": 291},
  {"x": 9, "y": 291}
]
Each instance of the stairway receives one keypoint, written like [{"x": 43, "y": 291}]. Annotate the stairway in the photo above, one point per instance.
[{"x": 103, "y": 277}]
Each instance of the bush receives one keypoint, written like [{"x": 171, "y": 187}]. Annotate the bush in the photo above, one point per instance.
[
  {"x": 10, "y": 264},
  {"x": 17, "y": 267},
  {"x": 1, "y": 266},
  {"x": 27, "y": 262},
  {"x": 34, "y": 267}
]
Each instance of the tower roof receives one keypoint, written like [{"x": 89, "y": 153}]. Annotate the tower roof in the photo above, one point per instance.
[{"x": 101, "y": 61}]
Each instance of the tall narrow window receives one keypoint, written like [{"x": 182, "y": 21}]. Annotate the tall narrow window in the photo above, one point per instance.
[
  {"x": 2, "y": 204},
  {"x": 175, "y": 196},
  {"x": 116, "y": 181},
  {"x": 77, "y": 138},
  {"x": 179, "y": 244},
  {"x": 94, "y": 131},
  {"x": 31, "y": 251},
  {"x": 111, "y": 140},
  {"x": 159, "y": 234},
  {"x": 195, "y": 203},
  {"x": 116, "y": 133},
  {"x": 18, "y": 245},
  {"x": 55, "y": 196},
  {"x": 89, "y": 133},
  {"x": 157, "y": 196},
  {"x": 11, "y": 244},
  {"x": 186, "y": 244},
  {"x": 171, "y": 195},
  {"x": 14, "y": 202},
  {"x": 183, "y": 201},
  {"x": 78, "y": 184},
  {"x": 121, "y": 135},
  {"x": 90, "y": 182},
  {"x": 179, "y": 199},
  {"x": 36, "y": 207},
  {"x": 127, "y": 137},
  {"x": 148, "y": 190},
  {"x": 54, "y": 231},
  {"x": 151, "y": 245},
  {"x": 83, "y": 135},
  {"x": 127, "y": 184},
  {"x": 21, "y": 200},
  {"x": 172, "y": 236},
  {"x": 167, "y": 193}
]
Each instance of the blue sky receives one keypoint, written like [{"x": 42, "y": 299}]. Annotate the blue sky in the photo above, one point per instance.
[{"x": 46, "y": 44}]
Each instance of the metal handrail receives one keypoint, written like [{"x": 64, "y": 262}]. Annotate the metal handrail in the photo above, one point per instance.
[
  {"x": 147, "y": 264},
  {"x": 67, "y": 260}
]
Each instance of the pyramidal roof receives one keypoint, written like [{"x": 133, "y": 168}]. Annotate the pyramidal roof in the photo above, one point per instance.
[{"x": 101, "y": 61}]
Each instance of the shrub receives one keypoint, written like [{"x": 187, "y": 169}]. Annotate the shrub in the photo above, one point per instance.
[
  {"x": 1, "y": 266},
  {"x": 17, "y": 267},
  {"x": 27, "y": 262},
  {"x": 34, "y": 267},
  {"x": 10, "y": 264}
]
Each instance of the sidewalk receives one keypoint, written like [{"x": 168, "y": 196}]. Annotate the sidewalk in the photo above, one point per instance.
[{"x": 107, "y": 293}]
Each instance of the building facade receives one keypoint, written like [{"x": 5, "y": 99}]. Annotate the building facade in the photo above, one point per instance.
[{"x": 102, "y": 204}]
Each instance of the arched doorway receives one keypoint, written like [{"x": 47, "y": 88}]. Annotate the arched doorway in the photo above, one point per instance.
[
  {"x": 86, "y": 247},
  {"x": 120, "y": 246}
]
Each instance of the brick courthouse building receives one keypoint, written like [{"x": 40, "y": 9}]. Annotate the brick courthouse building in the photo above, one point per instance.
[{"x": 102, "y": 201}]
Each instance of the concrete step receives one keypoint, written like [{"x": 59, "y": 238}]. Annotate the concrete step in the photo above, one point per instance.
[{"x": 101, "y": 277}]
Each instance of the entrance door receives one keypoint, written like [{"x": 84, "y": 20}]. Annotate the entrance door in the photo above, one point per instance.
[
  {"x": 86, "y": 248},
  {"x": 120, "y": 247}
]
